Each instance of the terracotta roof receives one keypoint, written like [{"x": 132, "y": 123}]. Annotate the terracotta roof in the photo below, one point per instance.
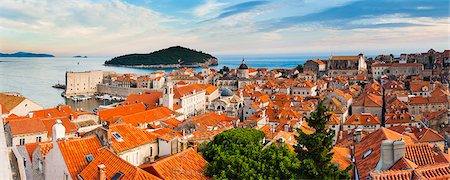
[
  {"x": 392, "y": 118},
  {"x": 362, "y": 119},
  {"x": 9, "y": 102},
  {"x": 148, "y": 116},
  {"x": 106, "y": 114},
  {"x": 437, "y": 171},
  {"x": 369, "y": 100},
  {"x": 59, "y": 111},
  {"x": 166, "y": 134},
  {"x": 318, "y": 61},
  {"x": 48, "y": 123},
  {"x": 342, "y": 156},
  {"x": 404, "y": 163},
  {"x": 149, "y": 99},
  {"x": 44, "y": 147},
  {"x": 421, "y": 154},
  {"x": 74, "y": 152},
  {"x": 131, "y": 137},
  {"x": 187, "y": 90},
  {"x": 172, "y": 122},
  {"x": 184, "y": 165},
  {"x": 426, "y": 100},
  {"x": 113, "y": 164},
  {"x": 26, "y": 126},
  {"x": 352, "y": 58},
  {"x": 372, "y": 142},
  {"x": 416, "y": 86},
  {"x": 391, "y": 175}
]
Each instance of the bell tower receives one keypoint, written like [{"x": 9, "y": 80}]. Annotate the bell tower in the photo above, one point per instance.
[{"x": 167, "y": 99}]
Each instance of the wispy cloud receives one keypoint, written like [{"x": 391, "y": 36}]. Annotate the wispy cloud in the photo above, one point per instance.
[{"x": 208, "y": 7}]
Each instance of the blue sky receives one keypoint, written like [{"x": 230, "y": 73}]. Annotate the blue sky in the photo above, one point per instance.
[{"x": 306, "y": 27}]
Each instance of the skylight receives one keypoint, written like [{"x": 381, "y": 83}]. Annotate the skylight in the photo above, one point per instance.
[
  {"x": 367, "y": 153},
  {"x": 117, "y": 136},
  {"x": 117, "y": 176},
  {"x": 89, "y": 158}
]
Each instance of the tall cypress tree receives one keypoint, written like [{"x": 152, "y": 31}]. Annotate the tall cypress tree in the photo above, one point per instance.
[{"x": 314, "y": 150}]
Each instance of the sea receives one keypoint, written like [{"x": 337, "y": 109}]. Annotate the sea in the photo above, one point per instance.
[{"x": 34, "y": 77}]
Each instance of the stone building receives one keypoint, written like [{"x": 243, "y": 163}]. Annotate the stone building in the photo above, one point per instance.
[
  {"x": 346, "y": 65},
  {"x": 396, "y": 69},
  {"x": 82, "y": 83}
]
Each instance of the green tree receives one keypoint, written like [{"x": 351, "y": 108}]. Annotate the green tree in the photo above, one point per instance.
[
  {"x": 299, "y": 68},
  {"x": 224, "y": 70},
  {"x": 314, "y": 150},
  {"x": 240, "y": 154}
]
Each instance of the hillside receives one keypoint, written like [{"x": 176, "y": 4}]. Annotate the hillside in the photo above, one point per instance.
[
  {"x": 171, "y": 57},
  {"x": 25, "y": 54}
]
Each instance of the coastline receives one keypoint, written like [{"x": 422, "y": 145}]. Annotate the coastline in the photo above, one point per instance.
[{"x": 209, "y": 62}]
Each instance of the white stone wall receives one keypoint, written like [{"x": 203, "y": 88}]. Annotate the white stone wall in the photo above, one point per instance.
[
  {"x": 26, "y": 106},
  {"x": 83, "y": 83},
  {"x": 55, "y": 166},
  {"x": 139, "y": 155}
]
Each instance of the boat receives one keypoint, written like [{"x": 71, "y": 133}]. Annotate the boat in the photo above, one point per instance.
[{"x": 59, "y": 86}]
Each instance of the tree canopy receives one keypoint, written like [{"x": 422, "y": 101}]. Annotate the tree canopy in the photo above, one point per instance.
[
  {"x": 314, "y": 150},
  {"x": 172, "y": 55},
  {"x": 240, "y": 154}
]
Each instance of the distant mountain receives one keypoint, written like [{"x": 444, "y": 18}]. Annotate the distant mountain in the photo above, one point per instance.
[
  {"x": 176, "y": 56},
  {"x": 25, "y": 54}
]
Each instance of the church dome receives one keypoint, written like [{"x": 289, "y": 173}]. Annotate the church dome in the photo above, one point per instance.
[
  {"x": 226, "y": 92},
  {"x": 243, "y": 65}
]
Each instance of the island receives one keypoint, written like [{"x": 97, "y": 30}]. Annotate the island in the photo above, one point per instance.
[
  {"x": 80, "y": 56},
  {"x": 25, "y": 54},
  {"x": 172, "y": 57}
]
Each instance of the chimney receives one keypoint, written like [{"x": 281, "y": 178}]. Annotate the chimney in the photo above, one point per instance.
[
  {"x": 101, "y": 172},
  {"x": 58, "y": 107},
  {"x": 58, "y": 131},
  {"x": 30, "y": 114},
  {"x": 408, "y": 129},
  {"x": 358, "y": 134},
  {"x": 391, "y": 152}
]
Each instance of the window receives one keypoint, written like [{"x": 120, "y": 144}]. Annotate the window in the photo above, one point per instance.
[
  {"x": 22, "y": 141},
  {"x": 367, "y": 153},
  {"x": 89, "y": 158},
  {"x": 38, "y": 139},
  {"x": 40, "y": 164},
  {"x": 117, "y": 176},
  {"x": 117, "y": 136},
  {"x": 24, "y": 162},
  {"x": 151, "y": 151}
]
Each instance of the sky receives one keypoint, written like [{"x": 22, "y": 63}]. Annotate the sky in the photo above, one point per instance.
[{"x": 221, "y": 27}]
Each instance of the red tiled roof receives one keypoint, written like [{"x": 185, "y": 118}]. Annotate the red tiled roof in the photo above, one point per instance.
[
  {"x": 74, "y": 152},
  {"x": 148, "y": 116},
  {"x": 369, "y": 100},
  {"x": 131, "y": 137},
  {"x": 420, "y": 154},
  {"x": 373, "y": 142},
  {"x": 26, "y": 126},
  {"x": 106, "y": 114},
  {"x": 59, "y": 111},
  {"x": 362, "y": 119},
  {"x": 149, "y": 99},
  {"x": 184, "y": 165},
  {"x": 48, "y": 123},
  {"x": 113, "y": 164}
]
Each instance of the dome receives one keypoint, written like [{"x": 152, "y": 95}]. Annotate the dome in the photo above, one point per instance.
[
  {"x": 226, "y": 92},
  {"x": 243, "y": 65}
]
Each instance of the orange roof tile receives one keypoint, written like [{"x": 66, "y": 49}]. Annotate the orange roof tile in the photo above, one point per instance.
[
  {"x": 184, "y": 165},
  {"x": 131, "y": 137},
  {"x": 26, "y": 126},
  {"x": 421, "y": 154},
  {"x": 75, "y": 150},
  {"x": 373, "y": 142},
  {"x": 148, "y": 116},
  {"x": 9, "y": 102},
  {"x": 341, "y": 156},
  {"x": 113, "y": 164},
  {"x": 149, "y": 99},
  {"x": 48, "y": 123},
  {"x": 59, "y": 111},
  {"x": 362, "y": 119},
  {"x": 106, "y": 114},
  {"x": 416, "y": 86},
  {"x": 350, "y": 58},
  {"x": 369, "y": 100}
]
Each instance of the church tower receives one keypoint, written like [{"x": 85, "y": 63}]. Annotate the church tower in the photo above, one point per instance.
[
  {"x": 243, "y": 70},
  {"x": 167, "y": 99}
]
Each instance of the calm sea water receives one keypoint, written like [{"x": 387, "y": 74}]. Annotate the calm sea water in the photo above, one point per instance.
[{"x": 33, "y": 77}]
